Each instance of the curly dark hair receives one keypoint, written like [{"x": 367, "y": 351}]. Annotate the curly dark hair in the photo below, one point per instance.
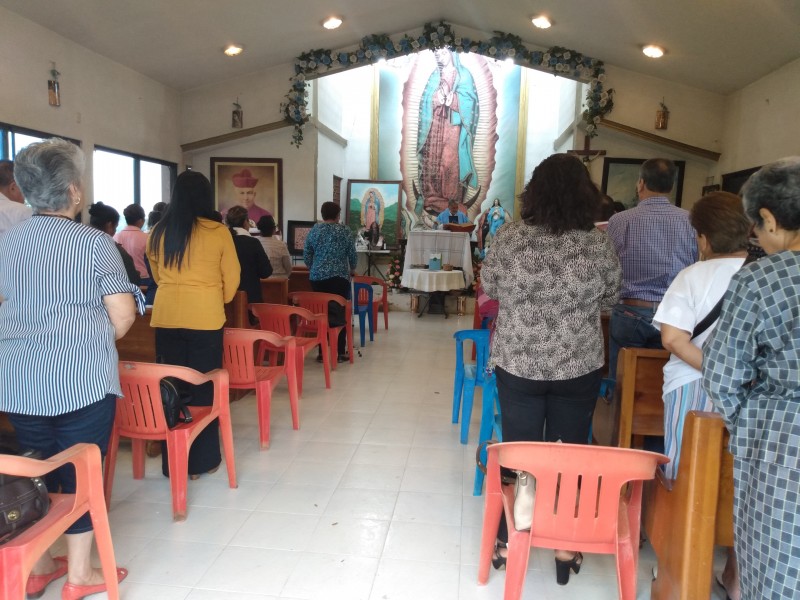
[{"x": 560, "y": 195}]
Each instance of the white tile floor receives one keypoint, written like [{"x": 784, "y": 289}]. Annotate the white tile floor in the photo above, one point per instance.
[{"x": 370, "y": 500}]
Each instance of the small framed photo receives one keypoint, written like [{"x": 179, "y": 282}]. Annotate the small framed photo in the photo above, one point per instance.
[
  {"x": 620, "y": 176},
  {"x": 373, "y": 210},
  {"x": 296, "y": 234},
  {"x": 255, "y": 183},
  {"x": 707, "y": 189}
]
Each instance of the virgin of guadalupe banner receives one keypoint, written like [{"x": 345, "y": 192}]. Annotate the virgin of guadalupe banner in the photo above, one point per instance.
[{"x": 448, "y": 128}]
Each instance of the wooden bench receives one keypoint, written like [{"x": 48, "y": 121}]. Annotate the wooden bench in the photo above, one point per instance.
[
  {"x": 637, "y": 408},
  {"x": 685, "y": 518},
  {"x": 299, "y": 280},
  {"x": 275, "y": 290},
  {"x": 139, "y": 344}
]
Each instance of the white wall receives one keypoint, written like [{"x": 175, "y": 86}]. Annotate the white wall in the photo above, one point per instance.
[
  {"x": 102, "y": 102},
  {"x": 298, "y": 167},
  {"x": 761, "y": 121}
]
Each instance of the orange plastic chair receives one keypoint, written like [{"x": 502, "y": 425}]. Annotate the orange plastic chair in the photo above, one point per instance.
[
  {"x": 281, "y": 319},
  {"x": 377, "y": 303},
  {"x": 18, "y": 555},
  {"x": 317, "y": 303},
  {"x": 579, "y": 505},
  {"x": 140, "y": 416},
  {"x": 239, "y": 359}
]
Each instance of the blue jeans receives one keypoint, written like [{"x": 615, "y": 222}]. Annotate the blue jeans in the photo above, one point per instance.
[
  {"x": 50, "y": 435},
  {"x": 630, "y": 327}
]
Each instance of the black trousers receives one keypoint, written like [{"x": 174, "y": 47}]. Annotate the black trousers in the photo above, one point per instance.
[
  {"x": 201, "y": 351},
  {"x": 539, "y": 411},
  {"x": 336, "y": 316}
]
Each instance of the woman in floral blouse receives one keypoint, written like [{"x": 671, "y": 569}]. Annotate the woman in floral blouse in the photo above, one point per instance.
[
  {"x": 330, "y": 254},
  {"x": 553, "y": 273}
]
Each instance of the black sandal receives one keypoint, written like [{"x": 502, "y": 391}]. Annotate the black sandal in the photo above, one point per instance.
[{"x": 499, "y": 561}]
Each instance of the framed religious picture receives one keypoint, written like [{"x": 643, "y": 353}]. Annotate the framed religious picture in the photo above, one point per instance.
[
  {"x": 255, "y": 183},
  {"x": 733, "y": 182},
  {"x": 296, "y": 236},
  {"x": 373, "y": 211},
  {"x": 620, "y": 176}
]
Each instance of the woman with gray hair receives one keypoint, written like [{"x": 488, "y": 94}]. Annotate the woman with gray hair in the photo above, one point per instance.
[
  {"x": 65, "y": 300},
  {"x": 750, "y": 367}
]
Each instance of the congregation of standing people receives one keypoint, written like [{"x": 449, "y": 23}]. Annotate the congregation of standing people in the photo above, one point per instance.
[{"x": 731, "y": 323}]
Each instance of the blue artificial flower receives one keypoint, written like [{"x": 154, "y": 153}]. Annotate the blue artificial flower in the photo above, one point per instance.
[{"x": 343, "y": 57}]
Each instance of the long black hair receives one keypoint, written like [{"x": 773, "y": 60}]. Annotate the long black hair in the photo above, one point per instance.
[{"x": 192, "y": 197}]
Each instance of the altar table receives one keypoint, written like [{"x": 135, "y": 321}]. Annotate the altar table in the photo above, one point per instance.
[
  {"x": 432, "y": 283},
  {"x": 453, "y": 246}
]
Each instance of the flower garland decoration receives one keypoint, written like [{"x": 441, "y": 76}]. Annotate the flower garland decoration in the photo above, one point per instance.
[
  {"x": 372, "y": 48},
  {"x": 395, "y": 273}
]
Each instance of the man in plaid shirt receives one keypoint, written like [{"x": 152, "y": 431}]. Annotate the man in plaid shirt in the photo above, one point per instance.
[{"x": 654, "y": 242}]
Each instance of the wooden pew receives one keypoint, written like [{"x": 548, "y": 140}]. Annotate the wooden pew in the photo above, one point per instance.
[
  {"x": 637, "y": 408},
  {"x": 139, "y": 344},
  {"x": 685, "y": 518},
  {"x": 275, "y": 290},
  {"x": 299, "y": 280}
]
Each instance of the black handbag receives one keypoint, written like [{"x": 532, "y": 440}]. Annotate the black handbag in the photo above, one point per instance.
[
  {"x": 23, "y": 500},
  {"x": 175, "y": 402}
]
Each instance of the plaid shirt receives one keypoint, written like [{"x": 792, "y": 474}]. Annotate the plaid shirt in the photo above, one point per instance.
[
  {"x": 654, "y": 242},
  {"x": 751, "y": 362}
]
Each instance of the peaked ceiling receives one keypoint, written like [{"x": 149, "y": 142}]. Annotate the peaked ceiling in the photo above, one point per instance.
[{"x": 716, "y": 45}]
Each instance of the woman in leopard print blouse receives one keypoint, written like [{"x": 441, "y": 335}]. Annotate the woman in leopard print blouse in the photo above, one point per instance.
[{"x": 553, "y": 273}]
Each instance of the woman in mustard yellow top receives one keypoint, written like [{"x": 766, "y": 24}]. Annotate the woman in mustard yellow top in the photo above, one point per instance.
[{"x": 195, "y": 267}]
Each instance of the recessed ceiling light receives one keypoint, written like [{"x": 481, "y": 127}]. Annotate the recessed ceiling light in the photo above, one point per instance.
[
  {"x": 233, "y": 50},
  {"x": 541, "y": 22},
  {"x": 653, "y": 51},
  {"x": 331, "y": 23}
]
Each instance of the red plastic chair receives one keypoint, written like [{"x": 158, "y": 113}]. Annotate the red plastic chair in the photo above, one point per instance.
[
  {"x": 579, "y": 506},
  {"x": 140, "y": 416},
  {"x": 239, "y": 359},
  {"x": 279, "y": 319},
  {"x": 17, "y": 556},
  {"x": 317, "y": 303},
  {"x": 377, "y": 303}
]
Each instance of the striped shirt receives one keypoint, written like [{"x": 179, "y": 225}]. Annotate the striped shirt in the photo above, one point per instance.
[
  {"x": 56, "y": 339},
  {"x": 654, "y": 242},
  {"x": 329, "y": 251}
]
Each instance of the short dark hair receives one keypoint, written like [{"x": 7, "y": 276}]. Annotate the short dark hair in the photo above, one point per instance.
[
  {"x": 6, "y": 173},
  {"x": 101, "y": 215},
  {"x": 776, "y": 187},
  {"x": 266, "y": 225},
  {"x": 133, "y": 213},
  {"x": 236, "y": 216},
  {"x": 330, "y": 210},
  {"x": 606, "y": 209},
  {"x": 560, "y": 195},
  {"x": 658, "y": 175},
  {"x": 720, "y": 217}
]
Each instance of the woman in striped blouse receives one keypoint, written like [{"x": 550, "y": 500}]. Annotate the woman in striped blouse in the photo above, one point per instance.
[{"x": 65, "y": 300}]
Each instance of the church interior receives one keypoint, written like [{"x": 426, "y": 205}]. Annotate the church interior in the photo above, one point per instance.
[{"x": 372, "y": 498}]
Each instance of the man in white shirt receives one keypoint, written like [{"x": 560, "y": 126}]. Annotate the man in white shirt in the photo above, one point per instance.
[{"x": 12, "y": 202}]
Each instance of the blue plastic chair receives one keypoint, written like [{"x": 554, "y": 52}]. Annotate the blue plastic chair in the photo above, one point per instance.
[
  {"x": 362, "y": 306},
  {"x": 469, "y": 376},
  {"x": 491, "y": 424}
]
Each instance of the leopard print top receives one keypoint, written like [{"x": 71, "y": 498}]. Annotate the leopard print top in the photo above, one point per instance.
[{"x": 551, "y": 290}]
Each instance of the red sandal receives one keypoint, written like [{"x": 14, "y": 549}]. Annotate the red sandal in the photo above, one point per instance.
[{"x": 37, "y": 584}]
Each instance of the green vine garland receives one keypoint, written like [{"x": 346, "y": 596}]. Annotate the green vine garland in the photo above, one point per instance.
[{"x": 560, "y": 61}]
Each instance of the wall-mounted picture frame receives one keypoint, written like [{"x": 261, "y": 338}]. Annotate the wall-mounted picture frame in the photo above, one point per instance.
[
  {"x": 733, "y": 182},
  {"x": 620, "y": 176},
  {"x": 255, "y": 183},
  {"x": 707, "y": 189},
  {"x": 373, "y": 210},
  {"x": 296, "y": 233}
]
